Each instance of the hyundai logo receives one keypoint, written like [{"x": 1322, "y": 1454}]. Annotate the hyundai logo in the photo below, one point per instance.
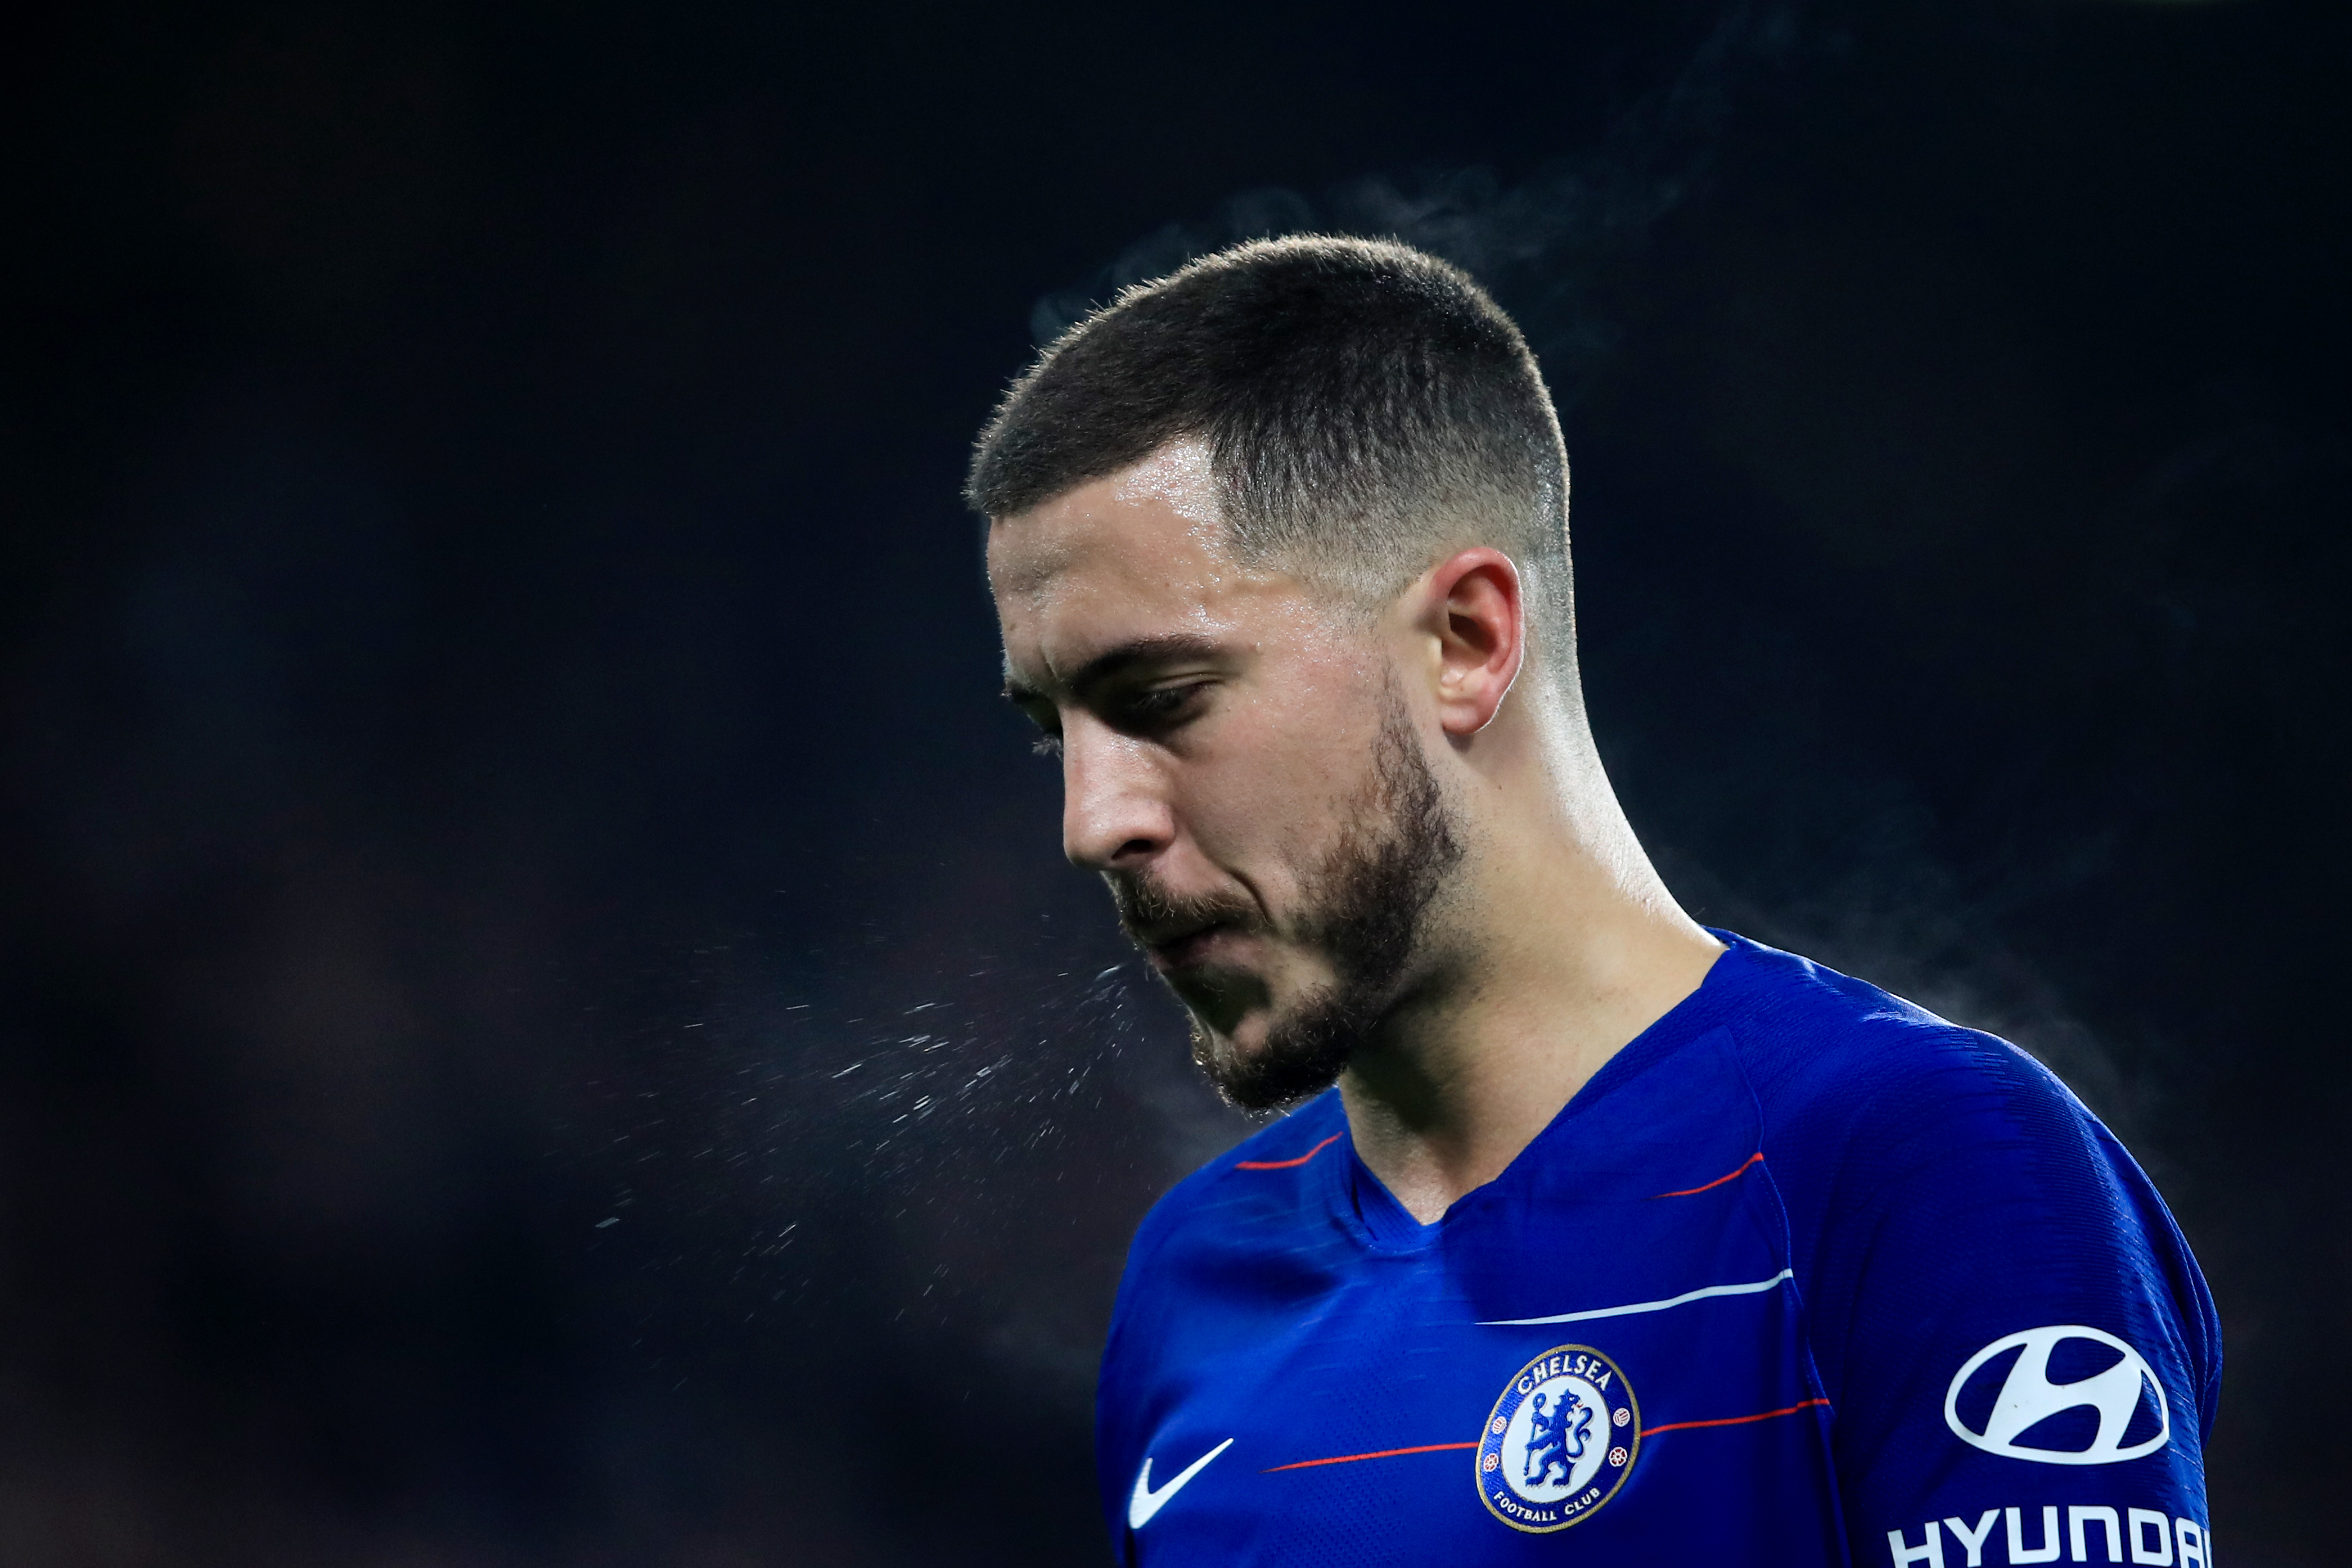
[{"x": 2028, "y": 1398}]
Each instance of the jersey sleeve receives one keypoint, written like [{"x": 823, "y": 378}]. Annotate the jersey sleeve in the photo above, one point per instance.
[{"x": 2021, "y": 1355}]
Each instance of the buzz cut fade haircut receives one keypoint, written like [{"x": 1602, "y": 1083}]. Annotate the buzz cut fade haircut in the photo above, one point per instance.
[{"x": 1367, "y": 409}]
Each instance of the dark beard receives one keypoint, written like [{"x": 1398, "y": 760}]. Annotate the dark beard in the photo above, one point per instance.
[{"x": 1366, "y": 906}]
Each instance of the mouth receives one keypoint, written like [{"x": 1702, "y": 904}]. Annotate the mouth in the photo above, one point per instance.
[{"x": 1170, "y": 950}]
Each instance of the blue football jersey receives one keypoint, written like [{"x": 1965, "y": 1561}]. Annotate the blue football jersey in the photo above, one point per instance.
[{"x": 1803, "y": 1275}]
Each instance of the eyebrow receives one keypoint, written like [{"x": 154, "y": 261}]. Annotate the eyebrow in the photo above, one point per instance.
[{"x": 1117, "y": 662}]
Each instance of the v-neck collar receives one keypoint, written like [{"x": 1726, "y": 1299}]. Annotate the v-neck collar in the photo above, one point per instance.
[{"x": 1365, "y": 1205}]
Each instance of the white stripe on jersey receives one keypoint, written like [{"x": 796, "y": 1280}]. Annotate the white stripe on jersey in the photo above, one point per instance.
[{"x": 1643, "y": 1306}]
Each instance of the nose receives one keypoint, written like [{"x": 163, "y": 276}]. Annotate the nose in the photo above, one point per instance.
[{"x": 1115, "y": 810}]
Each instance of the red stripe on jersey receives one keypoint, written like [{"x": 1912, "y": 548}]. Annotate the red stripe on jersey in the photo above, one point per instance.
[
  {"x": 1688, "y": 1192},
  {"x": 1351, "y": 1458},
  {"x": 1291, "y": 1164}
]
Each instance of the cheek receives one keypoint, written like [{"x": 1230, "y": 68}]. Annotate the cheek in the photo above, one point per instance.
[{"x": 1283, "y": 779}]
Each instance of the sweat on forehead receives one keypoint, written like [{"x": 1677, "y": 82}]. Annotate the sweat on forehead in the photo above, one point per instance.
[
  {"x": 1157, "y": 519},
  {"x": 1178, "y": 474}
]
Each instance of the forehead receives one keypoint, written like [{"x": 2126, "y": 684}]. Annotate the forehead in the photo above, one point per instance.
[
  {"x": 1158, "y": 514},
  {"x": 1136, "y": 555}
]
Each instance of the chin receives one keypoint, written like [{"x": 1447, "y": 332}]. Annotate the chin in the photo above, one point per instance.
[
  {"x": 1234, "y": 1019},
  {"x": 1271, "y": 1063}
]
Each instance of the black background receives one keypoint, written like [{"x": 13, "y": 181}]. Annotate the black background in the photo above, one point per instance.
[{"x": 543, "y": 1022}]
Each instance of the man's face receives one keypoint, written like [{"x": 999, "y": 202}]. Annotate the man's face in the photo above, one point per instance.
[{"x": 1239, "y": 762}]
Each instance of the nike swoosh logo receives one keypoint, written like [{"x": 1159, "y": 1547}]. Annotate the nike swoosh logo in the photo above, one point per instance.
[{"x": 1146, "y": 1503}]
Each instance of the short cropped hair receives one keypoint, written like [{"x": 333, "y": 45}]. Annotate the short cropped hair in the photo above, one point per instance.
[{"x": 1367, "y": 408}]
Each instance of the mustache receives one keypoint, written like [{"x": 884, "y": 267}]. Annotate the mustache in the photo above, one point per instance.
[{"x": 1149, "y": 911}]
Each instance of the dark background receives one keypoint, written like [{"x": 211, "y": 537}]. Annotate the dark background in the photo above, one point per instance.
[{"x": 544, "y": 1022}]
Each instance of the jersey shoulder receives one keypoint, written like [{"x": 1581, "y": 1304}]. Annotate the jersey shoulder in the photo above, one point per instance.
[
  {"x": 1206, "y": 1204},
  {"x": 1232, "y": 1251},
  {"x": 1925, "y": 1168},
  {"x": 1836, "y": 1058}
]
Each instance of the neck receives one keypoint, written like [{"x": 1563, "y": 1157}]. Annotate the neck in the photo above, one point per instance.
[{"x": 1561, "y": 944}]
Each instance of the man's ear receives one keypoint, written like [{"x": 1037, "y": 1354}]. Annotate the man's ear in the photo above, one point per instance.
[{"x": 1473, "y": 611}]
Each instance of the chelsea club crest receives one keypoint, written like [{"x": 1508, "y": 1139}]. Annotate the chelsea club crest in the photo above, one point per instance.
[{"x": 1562, "y": 1440}]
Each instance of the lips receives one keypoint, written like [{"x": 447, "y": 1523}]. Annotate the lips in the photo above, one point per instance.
[
  {"x": 1175, "y": 932},
  {"x": 1181, "y": 948}
]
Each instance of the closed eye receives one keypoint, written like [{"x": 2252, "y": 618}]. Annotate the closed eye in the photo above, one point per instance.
[{"x": 1160, "y": 708}]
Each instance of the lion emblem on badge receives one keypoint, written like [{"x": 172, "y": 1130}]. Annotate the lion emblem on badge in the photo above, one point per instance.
[{"x": 1556, "y": 1442}]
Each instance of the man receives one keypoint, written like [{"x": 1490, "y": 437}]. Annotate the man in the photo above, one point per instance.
[{"x": 1593, "y": 1232}]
